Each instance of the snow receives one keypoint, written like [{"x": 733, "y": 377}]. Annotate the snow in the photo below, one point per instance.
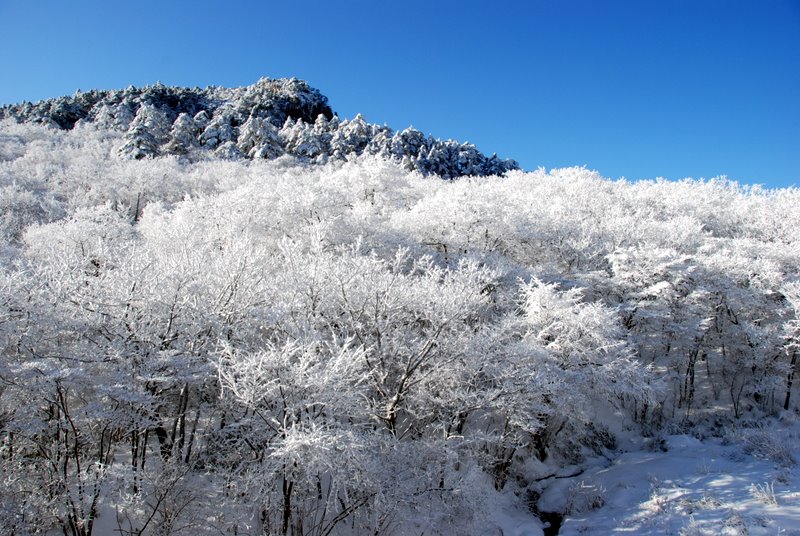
[
  {"x": 713, "y": 486},
  {"x": 510, "y": 521},
  {"x": 398, "y": 354}
]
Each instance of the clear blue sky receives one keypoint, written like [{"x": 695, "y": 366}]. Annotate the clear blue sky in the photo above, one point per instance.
[{"x": 634, "y": 88}]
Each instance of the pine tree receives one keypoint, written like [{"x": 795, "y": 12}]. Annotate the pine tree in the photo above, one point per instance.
[
  {"x": 354, "y": 136},
  {"x": 220, "y": 129},
  {"x": 258, "y": 138},
  {"x": 300, "y": 140},
  {"x": 182, "y": 136}
]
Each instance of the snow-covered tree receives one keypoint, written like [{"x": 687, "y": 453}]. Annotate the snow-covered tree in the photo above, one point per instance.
[
  {"x": 271, "y": 346},
  {"x": 220, "y": 129},
  {"x": 182, "y": 136},
  {"x": 258, "y": 138},
  {"x": 148, "y": 130},
  {"x": 352, "y": 137},
  {"x": 301, "y": 140},
  {"x": 138, "y": 143},
  {"x": 791, "y": 292}
]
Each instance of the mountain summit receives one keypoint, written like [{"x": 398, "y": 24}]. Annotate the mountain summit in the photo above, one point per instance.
[{"x": 268, "y": 119}]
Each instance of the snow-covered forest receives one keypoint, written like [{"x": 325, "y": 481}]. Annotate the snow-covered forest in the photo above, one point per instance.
[
  {"x": 268, "y": 119},
  {"x": 236, "y": 313}
]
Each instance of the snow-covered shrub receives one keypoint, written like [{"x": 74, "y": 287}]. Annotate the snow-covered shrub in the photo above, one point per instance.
[
  {"x": 695, "y": 528},
  {"x": 765, "y": 444},
  {"x": 584, "y": 497},
  {"x": 764, "y": 493}
]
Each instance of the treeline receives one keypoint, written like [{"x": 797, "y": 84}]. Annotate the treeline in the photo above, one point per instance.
[{"x": 271, "y": 118}]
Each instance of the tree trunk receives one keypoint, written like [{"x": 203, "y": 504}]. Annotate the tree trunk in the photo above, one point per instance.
[
  {"x": 287, "y": 505},
  {"x": 790, "y": 379}
]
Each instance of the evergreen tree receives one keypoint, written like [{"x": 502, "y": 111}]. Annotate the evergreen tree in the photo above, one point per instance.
[
  {"x": 182, "y": 136},
  {"x": 300, "y": 140},
  {"x": 258, "y": 138},
  {"x": 138, "y": 143},
  {"x": 220, "y": 129}
]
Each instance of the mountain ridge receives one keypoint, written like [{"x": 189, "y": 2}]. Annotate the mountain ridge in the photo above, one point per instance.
[{"x": 264, "y": 120}]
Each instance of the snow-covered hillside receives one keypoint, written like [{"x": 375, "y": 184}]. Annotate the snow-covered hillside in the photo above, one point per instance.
[
  {"x": 344, "y": 345},
  {"x": 265, "y": 120},
  {"x": 743, "y": 483}
]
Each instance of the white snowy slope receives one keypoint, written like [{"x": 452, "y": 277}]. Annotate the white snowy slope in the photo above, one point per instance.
[
  {"x": 746, "y": 485},
  {"x": 336, "y": 343}
]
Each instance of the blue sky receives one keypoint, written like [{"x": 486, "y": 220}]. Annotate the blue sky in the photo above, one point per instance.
[{"x": 633, "y": 88}]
